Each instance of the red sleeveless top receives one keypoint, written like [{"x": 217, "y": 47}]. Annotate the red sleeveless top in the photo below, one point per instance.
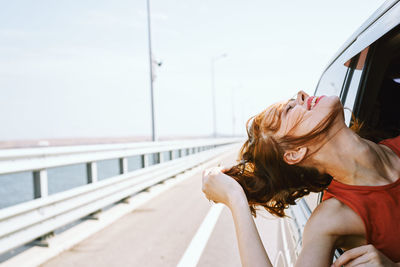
[{"x": 378, "y": 207}]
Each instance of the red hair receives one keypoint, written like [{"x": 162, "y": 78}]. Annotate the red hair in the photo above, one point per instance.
[{"x": 267, "y": 180}]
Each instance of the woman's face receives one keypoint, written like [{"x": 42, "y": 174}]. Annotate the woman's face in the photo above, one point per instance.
[{"x": 301, "y": 115}]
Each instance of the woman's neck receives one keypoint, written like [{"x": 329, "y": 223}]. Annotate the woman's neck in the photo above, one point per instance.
[{"x": 353, "y": 160}]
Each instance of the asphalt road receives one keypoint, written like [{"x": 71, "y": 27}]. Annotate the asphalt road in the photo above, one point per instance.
[{"x": 159, "y": 232}]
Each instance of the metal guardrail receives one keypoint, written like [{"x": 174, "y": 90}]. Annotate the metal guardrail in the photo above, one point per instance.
[
  {"x": 38, "y": 160},
  {"x": 31, "y": 220}
]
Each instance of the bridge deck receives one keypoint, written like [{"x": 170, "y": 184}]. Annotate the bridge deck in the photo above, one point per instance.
[{"x": 159, "y": 232}]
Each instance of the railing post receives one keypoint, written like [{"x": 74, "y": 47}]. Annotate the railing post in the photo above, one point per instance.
[
  {"x": 91, "y": 170},
  {"x": 40, "y": 184},
  {"x": 145, "y": 161},
  {"x": 123, "y": 165},
  {"x": 171, "y": 154},
  {"x": 43, "y": 241},
  {"x": 160, "y": 157}
]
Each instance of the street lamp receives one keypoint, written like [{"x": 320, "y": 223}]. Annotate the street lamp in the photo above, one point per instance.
[
  {"x": 214, "y": 108},
  {"x": 233, "y": 111},
  {"x": 153, "y": 134}
]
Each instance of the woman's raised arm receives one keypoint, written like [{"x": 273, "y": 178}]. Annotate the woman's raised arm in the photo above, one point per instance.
[
  {"x": 252, "y": 251},
  {"x": 319, "y": 234},
  {"x": 221, "y": 188}
]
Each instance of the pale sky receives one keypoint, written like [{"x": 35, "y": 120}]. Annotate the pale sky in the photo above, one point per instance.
[{"x": 81, "y": 69}]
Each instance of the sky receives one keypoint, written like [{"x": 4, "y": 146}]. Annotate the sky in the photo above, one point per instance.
[{"x": 80, "y": 69}]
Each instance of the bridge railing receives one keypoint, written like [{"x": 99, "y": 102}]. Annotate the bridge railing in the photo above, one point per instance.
[{"x": 28, "y": 221}]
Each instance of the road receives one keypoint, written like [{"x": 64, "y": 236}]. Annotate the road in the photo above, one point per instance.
[{"x": 159, "y": 232}]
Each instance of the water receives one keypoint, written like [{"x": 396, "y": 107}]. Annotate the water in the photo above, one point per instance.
[{"x": 15, "y": 188}]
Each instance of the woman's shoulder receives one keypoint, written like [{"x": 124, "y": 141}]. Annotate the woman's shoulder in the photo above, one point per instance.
[
  {"x": 332, "y": 217},
  {"x": 393, "y": 144},
  {"x": 331, "y": 225}
]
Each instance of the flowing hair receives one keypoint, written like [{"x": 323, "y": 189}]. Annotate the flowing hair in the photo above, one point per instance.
[{"x": 267, "y": 180}]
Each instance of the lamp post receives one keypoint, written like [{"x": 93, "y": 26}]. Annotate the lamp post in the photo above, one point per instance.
[
  {"x": 233, "y": 111},
  {"x": 153, "y": 133},
  {"x": 214, "y": 107}
]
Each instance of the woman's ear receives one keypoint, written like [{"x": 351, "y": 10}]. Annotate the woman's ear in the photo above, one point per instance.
[{"x": 295, "y": 156}]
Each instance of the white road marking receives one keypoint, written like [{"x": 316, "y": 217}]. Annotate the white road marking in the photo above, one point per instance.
[{"x": 193, "y": 252}]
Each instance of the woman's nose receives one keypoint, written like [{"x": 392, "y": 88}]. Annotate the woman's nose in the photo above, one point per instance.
[{"x": 301, "y": 97}]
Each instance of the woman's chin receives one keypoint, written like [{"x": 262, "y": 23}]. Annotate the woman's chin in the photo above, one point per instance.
[{"x": 331, "y": 100}]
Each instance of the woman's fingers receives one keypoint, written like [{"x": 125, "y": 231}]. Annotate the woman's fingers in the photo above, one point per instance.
[
  {"x": 350, "y": 255},
  {"x": 225, "y": 169},
  {"x": 218, "y": 186},
  {"x": 207, "y": 175},
  {"x": 360, "y": 261},
  {"x": 213, "y": 171},
  {"x": 362, "y": 256}
]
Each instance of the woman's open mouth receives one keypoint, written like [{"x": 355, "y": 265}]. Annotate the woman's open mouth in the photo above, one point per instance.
[{"x": 313, "y": 101}]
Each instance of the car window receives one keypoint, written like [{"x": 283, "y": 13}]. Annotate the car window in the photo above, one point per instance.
[
  {"x": 332, "y": 80},
  {"x": 350, "y": 94}
]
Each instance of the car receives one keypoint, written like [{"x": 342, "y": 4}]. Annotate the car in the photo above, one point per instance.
[{"x": 365, "y": 75}]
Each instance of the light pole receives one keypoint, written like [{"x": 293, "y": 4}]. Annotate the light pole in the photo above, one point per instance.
[
  {"x": 214, "y": 107},
  {"x": 153, "y": 133},
  {"x": 233, "y": 112}
]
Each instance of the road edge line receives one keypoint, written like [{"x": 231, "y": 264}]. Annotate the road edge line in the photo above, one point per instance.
[{"x": 199, "y": 241}]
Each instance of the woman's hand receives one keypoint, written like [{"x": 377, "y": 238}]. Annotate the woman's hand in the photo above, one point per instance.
[
  {"x": 366, "y": 255},
  {"x": 220, "y": 187}
]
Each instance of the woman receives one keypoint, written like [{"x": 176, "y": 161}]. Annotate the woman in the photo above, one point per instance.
[{"x": 295, "y": 148}]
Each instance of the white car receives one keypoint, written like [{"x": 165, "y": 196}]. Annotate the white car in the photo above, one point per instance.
[{"x": 365, "y": 74}]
